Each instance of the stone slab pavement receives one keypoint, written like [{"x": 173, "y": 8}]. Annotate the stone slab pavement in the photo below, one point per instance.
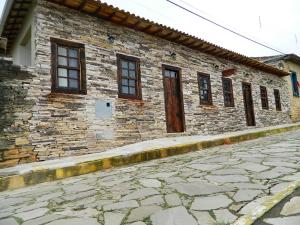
[{"x": 208, "y": 187}]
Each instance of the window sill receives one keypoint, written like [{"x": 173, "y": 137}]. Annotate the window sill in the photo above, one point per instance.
[
  {"x": 63, "y": 91},
  {"x": 208, "y": 106},
  {"x": 130, "y": 97},
  {"x": 66, "y": 95},
  {"x": 132, "y": 100}
]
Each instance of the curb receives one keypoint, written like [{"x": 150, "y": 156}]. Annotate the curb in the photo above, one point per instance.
[
  {"x": 267, "y": 205},
  {"x": 43, "y": 174}
]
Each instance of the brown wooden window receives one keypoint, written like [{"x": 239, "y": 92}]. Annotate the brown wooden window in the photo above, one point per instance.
[
  {"x": 277, "y": 100},
  {"x": 264, "y": 97},
  {"x": 204, "y": 89},
  {"x": 68, "y": 67},
  {"x": 129, "y": 79},
  {"x": 228, "y": 92}
]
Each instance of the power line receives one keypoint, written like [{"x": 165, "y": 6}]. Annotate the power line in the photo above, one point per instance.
[
  {"x": 190, "y": 5},
  {"x": 153, "y": 10},
  {"x": 225, "y": 28},
  {"x": 213, "y": 18}
]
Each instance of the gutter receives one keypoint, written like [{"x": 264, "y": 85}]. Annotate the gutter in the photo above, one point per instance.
[{"x": 6, "y": 10}]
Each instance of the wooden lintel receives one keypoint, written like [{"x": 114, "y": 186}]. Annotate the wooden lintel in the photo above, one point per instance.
[{"x": 228, "y": 72}]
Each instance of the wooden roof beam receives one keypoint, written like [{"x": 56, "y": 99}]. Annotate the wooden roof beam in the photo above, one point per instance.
[
  {"x": 176, "y": 38},
  {"x": 17, "y": 17},
  {"x": 135, "y": 25},
  {"x": 211, "y": 50},
  {"x": 97, "y": 11},
  {"x": 192, "y": 44},
  {"x": 182, "y": 41},
  {"x": 168, "y": 35},
  {"x": 224, "y": 55},
  {"x": 216, "y": 51},
  {"x": 110, "y": 16},
  {"x": 146, "y": 28},
  {"x": 157, "y": 31},
  {"x": 82, "y": 4},
  {"x": 206, "y": 48},
  {"x": 124, "y": 21},
  {"x": 25, "y": 10}
]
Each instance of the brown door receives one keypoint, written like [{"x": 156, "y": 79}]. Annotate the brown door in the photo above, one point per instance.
[
  {"x": 173, "y": 100},
  {"x": 248, "y": 102}
]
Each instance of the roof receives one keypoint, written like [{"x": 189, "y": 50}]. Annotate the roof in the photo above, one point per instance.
[
  {"x": 275, "y": 58},
  {"x": 123, "y": 18},
  {"x": 12, "y": 19}
]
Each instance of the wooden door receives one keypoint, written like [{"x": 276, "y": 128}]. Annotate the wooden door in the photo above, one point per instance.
[
  {"x": 248, "y": 102},
  {"x": 173, "y": 100}
]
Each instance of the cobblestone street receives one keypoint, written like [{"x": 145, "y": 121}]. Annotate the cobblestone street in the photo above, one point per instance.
[{"x": 213, "y": 186}]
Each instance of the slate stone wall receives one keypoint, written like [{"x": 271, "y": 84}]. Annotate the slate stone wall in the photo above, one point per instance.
[
  {"x": 65, "y": 124},
  {"x": 15, "y": 113}
]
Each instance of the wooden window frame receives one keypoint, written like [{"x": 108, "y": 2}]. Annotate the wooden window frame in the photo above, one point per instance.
[
  {"x": 206, "y": 76},
  {"x": 138, "y": 87},
  {"x": 230, "y": 92},
  {"x": 264, "y": 97},
  {"x": 277, "y": 100},
  {"x": 294, "y": 81},
  {"x": 55, "y": 43}
]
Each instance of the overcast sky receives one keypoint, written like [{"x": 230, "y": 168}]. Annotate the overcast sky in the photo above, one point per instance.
[{"x": 278, "y": 27}]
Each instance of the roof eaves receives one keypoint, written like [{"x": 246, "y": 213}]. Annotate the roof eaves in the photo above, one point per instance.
[
  {"x": 6, "y": 10},
  {"x": 293, "y": 58},
  {"x": 112, "y": 14}
]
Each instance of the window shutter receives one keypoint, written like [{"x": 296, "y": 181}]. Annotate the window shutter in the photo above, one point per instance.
[
  {"x": 53, "y": 66},
  {"x": 83, "y": 72}
]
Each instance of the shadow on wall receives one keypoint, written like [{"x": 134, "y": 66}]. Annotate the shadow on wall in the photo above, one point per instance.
[
  {"x": 3, "y": 43},
  {"x": 15, "y": 112}
]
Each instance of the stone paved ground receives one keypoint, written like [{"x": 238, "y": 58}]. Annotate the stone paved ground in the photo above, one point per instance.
[
  {"x": 287, "y": 212},
  {"x": 208, "y": 187}
]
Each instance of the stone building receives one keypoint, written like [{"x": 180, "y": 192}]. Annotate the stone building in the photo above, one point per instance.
[
  {"x": 291, "y": 64},
  {"x": 100, "y": 77}
]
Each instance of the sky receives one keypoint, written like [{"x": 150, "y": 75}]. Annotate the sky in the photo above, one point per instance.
[{"x": 274, "y": 23}]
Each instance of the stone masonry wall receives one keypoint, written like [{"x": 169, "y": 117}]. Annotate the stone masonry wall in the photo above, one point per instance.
[
  {"x": 15, "y": 113},
  {"x": 295, "y": 100},
  {"x": 64, "y": 124}
]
